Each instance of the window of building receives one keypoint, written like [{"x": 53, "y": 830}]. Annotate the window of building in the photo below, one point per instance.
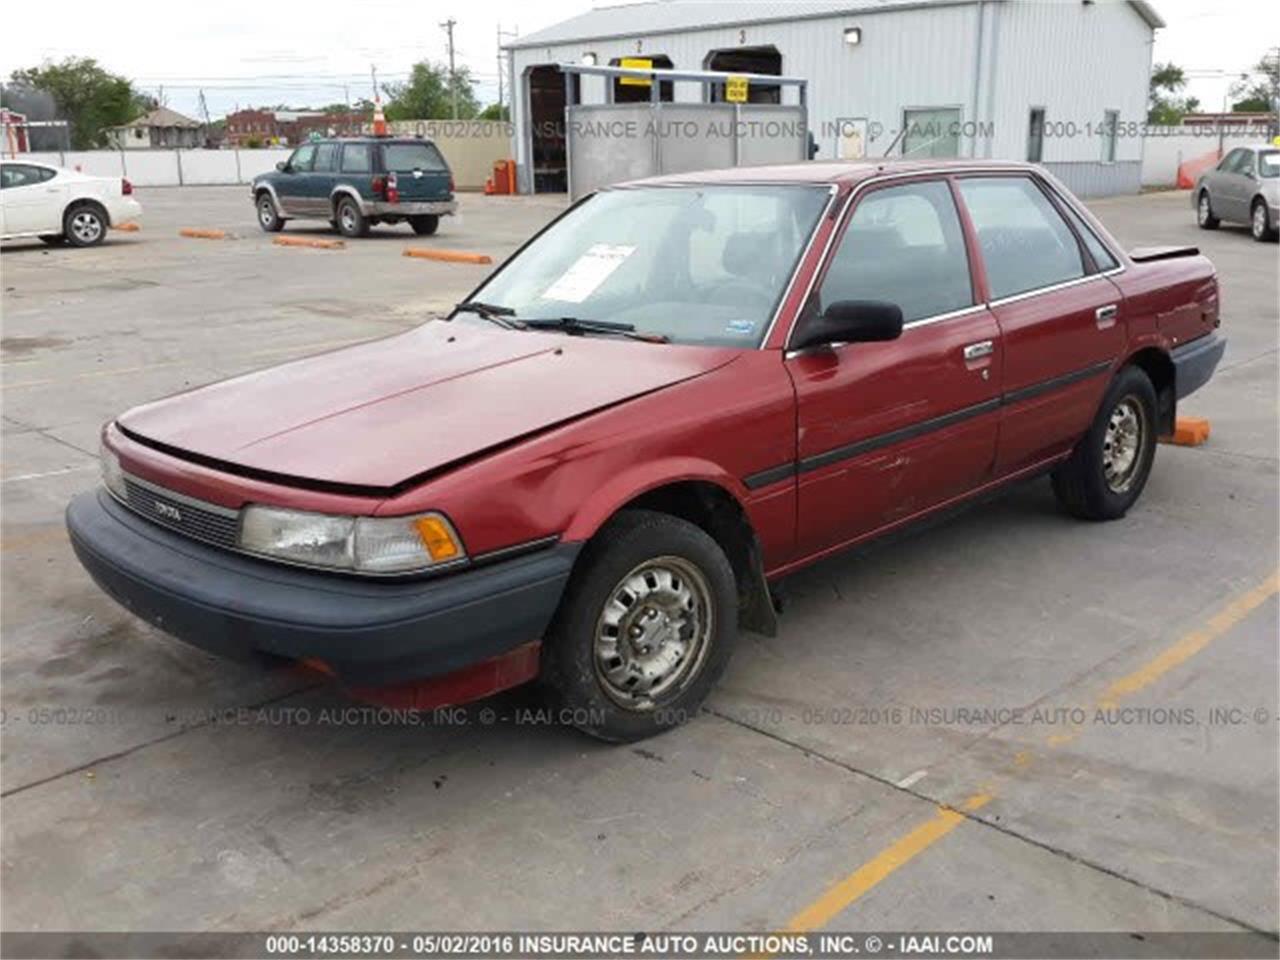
[
  {"x": 640, "y": 92},
  {"x": 1035, "y": 136},
  {"x": 356, "y": 158},
  {"x": 1025, "y": 242},
  {"x": 931, "y": 132},
  {"x": 1110, "y": 121},
  {"x": 903, "y": 245}
]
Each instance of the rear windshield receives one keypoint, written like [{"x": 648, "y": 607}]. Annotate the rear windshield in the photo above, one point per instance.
[
  {"x": 413, "y": 156},
  {"x": 1269, "y": 163}
]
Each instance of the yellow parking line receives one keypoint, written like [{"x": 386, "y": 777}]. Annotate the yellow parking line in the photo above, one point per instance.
[{"x": 847, "y": 891}]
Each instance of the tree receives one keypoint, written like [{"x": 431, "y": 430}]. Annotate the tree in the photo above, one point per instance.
[
  {"x": 1260, "y": 89},
  {"x": 89, "y": 98},
  {"x": 1163, "y": 107},
  {"x": 429, "y": 94},
  {"x": 495, "y": 111}
]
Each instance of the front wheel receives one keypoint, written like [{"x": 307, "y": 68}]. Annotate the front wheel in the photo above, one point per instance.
[
  {"x": 1106, "y": 472},
  {"x": 425, "y": 225},
  {"x": 644, "y": 630},
  {"x": 1260, "y": 224},
  {"x": 1204, "y": 212},
  {"x": 269, "y": 218}
]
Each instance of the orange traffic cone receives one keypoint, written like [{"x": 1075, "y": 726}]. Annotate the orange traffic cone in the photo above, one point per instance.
[{"x": 379, "y": 118}]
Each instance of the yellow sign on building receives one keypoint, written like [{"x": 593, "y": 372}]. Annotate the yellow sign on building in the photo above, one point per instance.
[
  {"x": 642, "y": 63},
  {"x": 735, "y": 89}
]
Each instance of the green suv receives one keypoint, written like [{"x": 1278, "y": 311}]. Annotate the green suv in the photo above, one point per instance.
[{"x": 357, "y": 182}]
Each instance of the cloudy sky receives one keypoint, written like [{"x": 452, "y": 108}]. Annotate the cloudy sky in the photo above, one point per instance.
[{"x": 247, "y": 52}]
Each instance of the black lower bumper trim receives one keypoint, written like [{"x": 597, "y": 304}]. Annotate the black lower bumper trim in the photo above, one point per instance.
[
  {"x": 369, "y": 632},
  {"x": 1194, "y": 362}
]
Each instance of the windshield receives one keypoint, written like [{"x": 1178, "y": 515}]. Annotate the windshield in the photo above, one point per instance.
[
  {"x": 697, "y": 265},
  {"x": 404, "y": 157},
  {"x": 1269, "y": 163}
]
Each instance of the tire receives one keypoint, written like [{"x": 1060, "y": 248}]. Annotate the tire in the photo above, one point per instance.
[
  {"x": 425, "y": 225},
  {"x": 1109, "y": 467},
  {"x": 53, "y": 239},
  {"x": 351, "y": 222},
  {"x": 1260, "y": 225},
  {"x": 269, "y": 218},
  {"x": 84, "y": 224},
  {"x": 684, "y": 614},
  {"x": 1204, "y": 212}
]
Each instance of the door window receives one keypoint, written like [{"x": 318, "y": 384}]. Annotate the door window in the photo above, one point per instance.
[
  {"x": 303, "y": 157},
  {"x": 1102, "y": 257},
  {"x": 326, "y": 159},
  {"x": 23, "y": 175},
  {"x": 356, "y": 158},
  {"x": 1244, "y": 163},
  {"x": 903, "y": 245},
  {"x": 1229, "y": 161},
  {"x": 1025, "y": 243},
  {"x": 931, "y": 132}
]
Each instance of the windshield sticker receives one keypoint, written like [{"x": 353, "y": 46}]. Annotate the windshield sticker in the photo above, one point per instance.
[
  {"x": 741, "y": 326},
  {"x": 588, "y": 272}
]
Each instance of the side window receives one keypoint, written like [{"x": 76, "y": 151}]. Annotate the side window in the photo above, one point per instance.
[
  {"x": 1229, "y": 161},
  {"x": 1245, "y": 164},
  {"x": 904, "y": 245},
  {"x": 326, "y": 160},
  {"x": 303, "y": 157},
  {"x": 1101, "y": 255},
  {"x": 18, "y": 175},
  {"x": 1025, "y": 243},
  {"x": 44, "y": 173},
  {"x": 356, "y": 158}
]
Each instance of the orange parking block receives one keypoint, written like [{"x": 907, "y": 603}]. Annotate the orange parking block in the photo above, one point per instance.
[
  {"x": 1189, "y": 432},
  {"x": 203, "y": 234},
  {"x": 129, "y": 227},
  {"x": 447, "y": 256},
  {"x": 314, "y": 243}
]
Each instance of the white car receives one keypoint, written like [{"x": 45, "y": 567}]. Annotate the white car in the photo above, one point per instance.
[{"x": 60, "y": 205}]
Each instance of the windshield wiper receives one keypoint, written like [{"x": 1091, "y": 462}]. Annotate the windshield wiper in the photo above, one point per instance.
[
  {"x": 577, "y": 325},
  {"x": 492, "y": 312}
]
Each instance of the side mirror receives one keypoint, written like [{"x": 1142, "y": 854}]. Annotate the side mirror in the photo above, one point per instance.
[
  {"x": 282, "y": 166},
  {"x": 852, "y": 321}
]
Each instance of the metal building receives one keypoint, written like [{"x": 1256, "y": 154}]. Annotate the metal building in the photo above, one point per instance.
[{"x": 1060, "y": 82}]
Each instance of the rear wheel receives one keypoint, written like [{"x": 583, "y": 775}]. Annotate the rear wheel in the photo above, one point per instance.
[
  {"x": 1260, "y": 224},
  {"x": 269, "y": 218},
  {"x": 1204, "y": 212},
  {"x": 1106, "y": 472},
  {"x": 645, "y": 628},
  {"x": 351, "y": 222},
  {"x": 425, "y": 225},
  {"x": 84, "y": 225}
]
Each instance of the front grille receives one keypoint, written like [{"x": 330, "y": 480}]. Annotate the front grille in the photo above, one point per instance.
[{"x": 196, "y": 519}]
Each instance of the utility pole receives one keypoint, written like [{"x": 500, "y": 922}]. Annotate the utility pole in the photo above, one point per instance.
[
  {"x": 502, "y": 71},
  {"x": 448, "y": 26}
]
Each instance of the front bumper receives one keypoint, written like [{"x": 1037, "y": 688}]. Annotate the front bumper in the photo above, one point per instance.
[
  {"x": 369, "y": 632},
  {"x": 380, "y": 208},
  {"x": 1194, "y": 362}
]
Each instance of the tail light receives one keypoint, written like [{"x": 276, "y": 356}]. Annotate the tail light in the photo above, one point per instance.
[
  {"x": 393, "y": 190},
  {"x": 379, "y": 185},
  {"x": 451, "y": 189},
  {"x": 126, "y": 188}
]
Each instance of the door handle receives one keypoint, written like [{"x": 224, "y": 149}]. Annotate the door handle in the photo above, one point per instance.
[
  {"x": 1106, "y": 316},
  {"x": 976, "y": 351}
]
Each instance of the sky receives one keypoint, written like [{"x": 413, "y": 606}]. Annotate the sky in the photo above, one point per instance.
[{"x": 249, "y": 52}]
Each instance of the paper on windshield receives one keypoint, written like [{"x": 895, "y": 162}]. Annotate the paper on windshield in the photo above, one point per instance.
[{"x": 586, "y": 274}]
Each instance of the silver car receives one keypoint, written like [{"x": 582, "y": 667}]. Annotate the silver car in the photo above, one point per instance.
[{"x": 1243, "y": 188}]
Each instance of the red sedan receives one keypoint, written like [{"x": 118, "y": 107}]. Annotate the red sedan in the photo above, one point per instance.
[{"x": 677, "y": 393}]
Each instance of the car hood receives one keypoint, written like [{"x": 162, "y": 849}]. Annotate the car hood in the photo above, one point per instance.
[{"x": 376, "y": 415}]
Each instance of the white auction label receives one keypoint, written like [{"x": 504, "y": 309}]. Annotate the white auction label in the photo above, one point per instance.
[{"x": 588, "y": 272}]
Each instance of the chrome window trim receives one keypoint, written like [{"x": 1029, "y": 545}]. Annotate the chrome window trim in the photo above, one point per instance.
[{"x": 1053, "y": 287}]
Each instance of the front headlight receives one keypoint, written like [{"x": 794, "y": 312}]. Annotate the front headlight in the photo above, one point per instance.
[
  {"x": 357, "y": 544},
  {"x": 112, "y": 472}
]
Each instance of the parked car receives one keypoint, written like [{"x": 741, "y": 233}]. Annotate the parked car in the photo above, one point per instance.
[
  {"x": 1243, "y": 188},
  {"x": 680, "y": 391},
  {"x": 357, "y": 183},
  {"x": 61, "y": 206}
]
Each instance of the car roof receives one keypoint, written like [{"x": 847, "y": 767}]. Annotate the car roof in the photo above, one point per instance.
[
  {"x": 373, "y": 139},
  {"x": 827, "y": 172}
]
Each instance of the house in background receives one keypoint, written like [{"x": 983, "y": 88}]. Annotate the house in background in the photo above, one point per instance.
[{"x": 161, "y": 127}]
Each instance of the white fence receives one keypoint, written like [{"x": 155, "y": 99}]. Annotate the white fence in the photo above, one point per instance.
[
  {"x": 1162, "y": 155},
  {"x": 168, "y": 168}
]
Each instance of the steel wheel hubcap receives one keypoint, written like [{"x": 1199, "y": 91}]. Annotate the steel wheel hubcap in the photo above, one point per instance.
[
  {"x": 1204, "y": 208},
  {"x": 653, "y": 634},
  {"x": 265, "y": 212},
  {"x": 348, "y": 219},
  {"x": 1122, "y": 444},
  {"x": 86, "y": 226}
]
